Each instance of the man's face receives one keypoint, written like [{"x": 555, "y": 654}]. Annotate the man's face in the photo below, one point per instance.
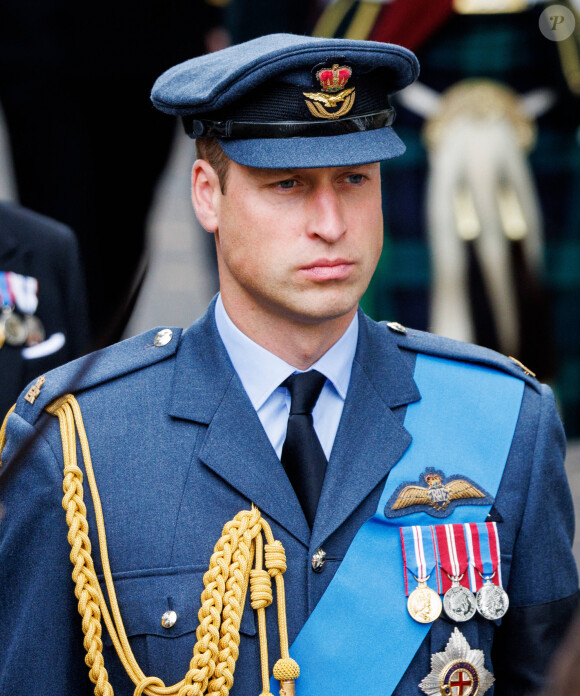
[{"x": 300, "y": 244}]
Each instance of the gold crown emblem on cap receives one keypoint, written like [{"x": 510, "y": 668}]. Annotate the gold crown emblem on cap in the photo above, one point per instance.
[{"x": 333, "y": 81}]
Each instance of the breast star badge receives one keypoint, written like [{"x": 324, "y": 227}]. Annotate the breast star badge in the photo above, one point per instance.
[
  {"x": 457, "y": 671},
  {"x": 442, "y": 494}
]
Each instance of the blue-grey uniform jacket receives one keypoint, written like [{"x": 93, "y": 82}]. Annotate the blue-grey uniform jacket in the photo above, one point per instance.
[{"x": 178, "y": 450}]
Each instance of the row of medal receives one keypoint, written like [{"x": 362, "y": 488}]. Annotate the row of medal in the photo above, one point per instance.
[
  {"x": 459, "y": 561},
  {"x": 19, "y": 299}
]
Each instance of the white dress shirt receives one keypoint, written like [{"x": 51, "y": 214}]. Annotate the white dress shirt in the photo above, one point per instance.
[{"x": 262, "y": 373}]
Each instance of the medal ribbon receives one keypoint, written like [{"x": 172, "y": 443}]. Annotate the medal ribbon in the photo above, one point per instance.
[
  {"x": 420, "y": 557},
  {"x": 363, "y": 604},
  {"x": 484, "y": 553},
  {"x": 6, "y": 295},
  {"x": 453, "y": 555},
  {"x": 25, "y": 289}
]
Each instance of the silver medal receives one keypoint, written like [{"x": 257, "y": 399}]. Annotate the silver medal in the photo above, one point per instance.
[
  {"x": 35, "y": 332},
  {"x": 492, "y": 600},
  {"x": 459, "y": 602}
]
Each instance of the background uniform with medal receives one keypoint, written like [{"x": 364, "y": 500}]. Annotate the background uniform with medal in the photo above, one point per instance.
[
  {"x": 43, "y": 322},
  {"x": 178, "y": 449}
]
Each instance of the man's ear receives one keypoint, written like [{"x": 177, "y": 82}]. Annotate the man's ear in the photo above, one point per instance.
[{"x": 205, "y": 194}]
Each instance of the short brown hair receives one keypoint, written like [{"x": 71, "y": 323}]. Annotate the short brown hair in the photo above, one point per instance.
[{"x": 209, "y": 149}]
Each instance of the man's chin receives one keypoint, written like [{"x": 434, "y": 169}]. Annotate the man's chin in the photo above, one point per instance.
[{"x": 321, "y": 312}]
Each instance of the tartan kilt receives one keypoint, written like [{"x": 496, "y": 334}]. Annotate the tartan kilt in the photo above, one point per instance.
[{"x": 508, "y": 48}]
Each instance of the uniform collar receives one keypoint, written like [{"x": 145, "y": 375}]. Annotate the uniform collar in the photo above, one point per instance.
[
  {"x": 245, "y": 354},
  {"x": 206, "y": 389}
]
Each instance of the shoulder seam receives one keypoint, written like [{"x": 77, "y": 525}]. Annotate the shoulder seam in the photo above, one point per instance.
[
  {"x": 457, "y": 350},
  {"x": 98, "y": 368}
]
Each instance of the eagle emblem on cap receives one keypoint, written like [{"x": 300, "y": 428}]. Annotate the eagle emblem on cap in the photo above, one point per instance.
[
  {"x": 333, "y": 82},
  {"x": 438, "y": 498}
]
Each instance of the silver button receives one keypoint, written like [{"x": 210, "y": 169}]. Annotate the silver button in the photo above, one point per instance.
[
  {"x": 168, "y": 619},
  {"x": 395, "y": 326},
  {"x": 163, "y": 337},
  {"x": 318, "y": 560}
]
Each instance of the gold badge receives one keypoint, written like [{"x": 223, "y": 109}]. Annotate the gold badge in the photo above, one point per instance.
[
  {"x": 34, "y": 391},
  {"x": 436, "y": 494},
  {"x": 333, "y": 82},
  {"x": 521, "y": 365}
]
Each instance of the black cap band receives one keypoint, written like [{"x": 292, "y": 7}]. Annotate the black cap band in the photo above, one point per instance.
[{"x": 243, "y": 130}]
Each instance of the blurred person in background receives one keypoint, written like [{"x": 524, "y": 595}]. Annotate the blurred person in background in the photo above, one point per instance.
[
  {"x": 43, "y": 322},
  {"x": 88, "y": 149}
]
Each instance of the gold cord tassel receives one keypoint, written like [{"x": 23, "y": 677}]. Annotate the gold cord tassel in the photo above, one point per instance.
[
  {"x": 211, "y": 670},
  {"x": 3, "y": 431}
]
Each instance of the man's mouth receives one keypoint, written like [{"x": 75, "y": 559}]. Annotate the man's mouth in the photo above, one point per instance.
[{"x": 328, "y": 269}]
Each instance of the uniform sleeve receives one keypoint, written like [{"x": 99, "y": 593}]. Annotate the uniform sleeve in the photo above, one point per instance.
[
  {"x": 40, "y": 629},
  {"x": 543, "y": 581}
]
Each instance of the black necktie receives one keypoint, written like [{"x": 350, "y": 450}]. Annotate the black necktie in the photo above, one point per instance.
[{"x": 302, "y": 455}]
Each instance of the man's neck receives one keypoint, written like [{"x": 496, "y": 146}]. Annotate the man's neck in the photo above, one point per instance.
[{"x": 298, "y": 344}]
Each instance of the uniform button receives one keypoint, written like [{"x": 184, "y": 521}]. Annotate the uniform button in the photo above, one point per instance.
[
  {"x": 163, "y": 337},
  {"x": 318, "y": 560},
  {"x": 168, "y": 619}
]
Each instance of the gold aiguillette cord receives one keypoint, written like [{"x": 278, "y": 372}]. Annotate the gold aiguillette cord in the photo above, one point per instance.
[{"x": 211, "y": 670}]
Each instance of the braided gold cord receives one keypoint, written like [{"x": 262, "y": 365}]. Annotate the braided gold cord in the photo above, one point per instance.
[
  {"x": 83, "y": 574},
  {"x": 3, "y": 431},
  {"x": 261, "y": 597},
  {"x": 211, "y": 670}
]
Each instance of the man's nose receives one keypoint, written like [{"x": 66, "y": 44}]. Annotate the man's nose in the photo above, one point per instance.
[{"x": 326, "y": 219}]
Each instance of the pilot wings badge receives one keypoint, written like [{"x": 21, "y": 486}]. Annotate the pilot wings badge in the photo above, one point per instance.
[{"x": 438, "y": 498}]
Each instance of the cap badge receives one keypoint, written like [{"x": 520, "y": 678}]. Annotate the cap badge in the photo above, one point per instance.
[
  {"x": 333, "y": 82},
  {"x": 438, "y": 498}
]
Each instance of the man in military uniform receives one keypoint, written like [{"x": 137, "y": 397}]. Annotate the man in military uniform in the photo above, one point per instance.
[
  {"x": 285, "y": 396},
  {"x": 45, "y": 299}
]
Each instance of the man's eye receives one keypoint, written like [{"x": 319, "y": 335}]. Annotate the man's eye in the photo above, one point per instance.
[
  {"x": 355, "y": 178},
  {"x": 286, "y": 184}
]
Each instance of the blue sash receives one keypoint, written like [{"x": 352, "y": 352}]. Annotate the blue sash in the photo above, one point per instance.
[{"x": 464, "y": 423}]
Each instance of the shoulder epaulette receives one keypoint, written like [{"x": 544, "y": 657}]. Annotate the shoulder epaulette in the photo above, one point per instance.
[
  {"x": 432, "y": 344},
  {"x": 98, "y": 367}
]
